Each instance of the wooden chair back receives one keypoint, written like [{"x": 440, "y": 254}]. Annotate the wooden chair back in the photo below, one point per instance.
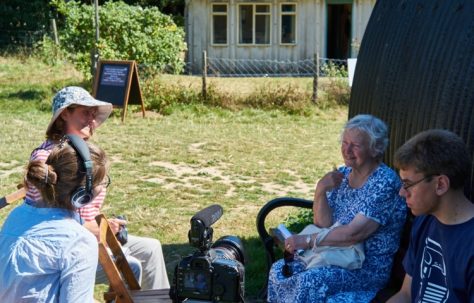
[
  {"x": 115, "y": 265},
  {"x": 124, "y": 287}
]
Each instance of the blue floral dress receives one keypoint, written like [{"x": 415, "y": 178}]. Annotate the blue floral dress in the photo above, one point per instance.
[{"x": 378, "y": 200}]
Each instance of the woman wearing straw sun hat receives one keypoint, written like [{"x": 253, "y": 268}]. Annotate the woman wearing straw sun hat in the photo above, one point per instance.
[{"x": 75, "y": 111}]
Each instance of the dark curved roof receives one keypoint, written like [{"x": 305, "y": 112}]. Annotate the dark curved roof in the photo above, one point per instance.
[{"x": 415, "y": 69}]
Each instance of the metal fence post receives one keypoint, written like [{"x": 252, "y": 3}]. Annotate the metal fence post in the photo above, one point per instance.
[
  {"x": 204, "y": 74},
  {"x": 315, "y": 78}
]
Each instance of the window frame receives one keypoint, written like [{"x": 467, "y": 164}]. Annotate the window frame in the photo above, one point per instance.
[
  {"x": 226, "y": 14},
  {"x": 293, "y": 13},
  {"x": 254, "y": 14}
]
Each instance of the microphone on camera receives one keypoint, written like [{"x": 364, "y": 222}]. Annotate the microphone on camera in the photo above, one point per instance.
[{"x": 209, "y": 215}]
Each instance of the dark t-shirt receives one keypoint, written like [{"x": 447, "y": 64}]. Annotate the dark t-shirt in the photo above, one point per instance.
[{"x": 440, "y": 260}]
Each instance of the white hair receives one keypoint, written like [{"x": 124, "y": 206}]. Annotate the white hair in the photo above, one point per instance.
[{"x": 375, "y": 128}]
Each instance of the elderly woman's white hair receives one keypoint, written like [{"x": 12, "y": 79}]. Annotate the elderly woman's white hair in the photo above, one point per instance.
[{"x": 375, "y": 128}]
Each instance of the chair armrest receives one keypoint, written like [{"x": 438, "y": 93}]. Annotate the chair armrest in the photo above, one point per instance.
[
  {"x": 270, "y": 206},
  {"x": 266, "y": 238}
]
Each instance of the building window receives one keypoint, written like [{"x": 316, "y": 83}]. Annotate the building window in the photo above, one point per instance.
[
  {"x": 219, "y": 23},
  {"x": 254, "y": 24},
  {"x": 288, "y": 24}
]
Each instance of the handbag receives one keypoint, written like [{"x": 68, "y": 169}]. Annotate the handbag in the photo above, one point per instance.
[{"x": 349, "y": 257}]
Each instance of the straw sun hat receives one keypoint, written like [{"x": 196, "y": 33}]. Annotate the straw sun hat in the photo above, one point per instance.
[{"x": 77, "y": 95}]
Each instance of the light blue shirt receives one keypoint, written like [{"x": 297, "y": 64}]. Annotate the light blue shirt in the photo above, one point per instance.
[{"x": 46, "y": 256}]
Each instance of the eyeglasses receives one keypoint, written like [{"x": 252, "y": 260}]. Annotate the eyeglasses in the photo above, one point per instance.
[
  {"x": 107, "y": 182},
  {"x": 99, "y": 188},
  {"x": 407, "y": 184}
]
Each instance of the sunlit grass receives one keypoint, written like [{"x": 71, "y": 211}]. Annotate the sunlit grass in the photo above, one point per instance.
[{"x": 166, "y": 168}]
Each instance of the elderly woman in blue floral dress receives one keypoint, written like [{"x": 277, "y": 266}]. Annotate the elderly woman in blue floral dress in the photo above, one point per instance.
[{"x": 363, "y": 197}]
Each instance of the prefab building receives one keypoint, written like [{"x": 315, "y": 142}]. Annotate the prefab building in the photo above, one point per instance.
[{"x": 274, "y": 29}]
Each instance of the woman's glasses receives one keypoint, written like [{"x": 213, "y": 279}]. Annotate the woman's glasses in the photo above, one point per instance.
[{"x": 107, "y": 181}]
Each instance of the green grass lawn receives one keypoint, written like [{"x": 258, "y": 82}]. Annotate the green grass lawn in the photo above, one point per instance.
[{"x": 166, "y": 168}]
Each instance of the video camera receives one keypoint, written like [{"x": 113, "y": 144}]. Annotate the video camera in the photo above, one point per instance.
[{"x": 214, "y": 273}]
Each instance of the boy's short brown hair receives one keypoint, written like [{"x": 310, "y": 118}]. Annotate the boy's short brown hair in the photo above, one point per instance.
[{"x": 436, "y": 152}]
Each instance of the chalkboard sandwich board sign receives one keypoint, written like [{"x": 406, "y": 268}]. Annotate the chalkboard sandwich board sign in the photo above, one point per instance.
[{"x": 117, "y": 82}]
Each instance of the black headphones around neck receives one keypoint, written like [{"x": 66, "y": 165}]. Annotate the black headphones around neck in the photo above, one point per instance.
[{"x": 82, "y": 195}]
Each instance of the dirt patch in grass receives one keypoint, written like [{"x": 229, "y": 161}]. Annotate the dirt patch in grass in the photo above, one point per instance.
[{"x": 195, "y": 177}]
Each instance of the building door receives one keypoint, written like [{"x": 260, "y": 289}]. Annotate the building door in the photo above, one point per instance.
[{"x": 339, "y": 28}]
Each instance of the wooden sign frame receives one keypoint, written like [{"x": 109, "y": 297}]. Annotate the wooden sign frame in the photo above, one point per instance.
[{"x": 116, "y": 81}]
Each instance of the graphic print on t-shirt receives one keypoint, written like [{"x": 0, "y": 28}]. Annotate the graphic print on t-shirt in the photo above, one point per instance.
[{"x": 433, "y": 287}]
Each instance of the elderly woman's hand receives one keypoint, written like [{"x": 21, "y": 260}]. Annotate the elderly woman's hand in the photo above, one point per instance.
[
  {"x": 296, "y": 242},
  {"x": 322, "y": 211},
  {"x": 330, "y": 181}
]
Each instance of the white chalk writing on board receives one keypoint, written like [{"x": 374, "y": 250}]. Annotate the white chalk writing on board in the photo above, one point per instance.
[{"x": 114, "y": 75}]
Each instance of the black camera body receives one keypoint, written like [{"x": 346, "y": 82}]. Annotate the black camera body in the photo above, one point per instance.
[{"x": 215, "y": 273}]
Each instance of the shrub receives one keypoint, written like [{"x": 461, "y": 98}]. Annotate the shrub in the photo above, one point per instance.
[
  {"x": 162, "y": 93},
  {"x": 126, "y": 33},
  {"x": 337, "y": 91},
  {"x": 288, "y": 98},
  {"x": 48, "y": 52},
  {"x": 160, "y": 97}
]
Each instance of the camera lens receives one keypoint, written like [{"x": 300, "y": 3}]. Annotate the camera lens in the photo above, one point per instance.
[{"x": 230, "y": 247}]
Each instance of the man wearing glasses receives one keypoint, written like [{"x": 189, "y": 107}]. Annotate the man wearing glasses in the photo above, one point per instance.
[{"x": 434, "y": 167}]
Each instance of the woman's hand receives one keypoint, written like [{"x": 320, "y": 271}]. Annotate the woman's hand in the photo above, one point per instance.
[
  {"x": 115, "y": 224},
  {"x": 296, "y": 242},
  {"x": 322, "y": 212},
  {"x": 330, "y": 181}
]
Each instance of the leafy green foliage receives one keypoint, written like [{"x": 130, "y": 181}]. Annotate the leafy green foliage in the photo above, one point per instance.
[
  {"x": 49, "y": 52},
  {"x": 22, "y": 22},
  {"x": 174, "y": 8},
  {"x": 338, "y": 91},
  {"x": 333, "y": 70},
  {"x": 126, "y": 33},
  {"x": 296, "y": 223}
]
